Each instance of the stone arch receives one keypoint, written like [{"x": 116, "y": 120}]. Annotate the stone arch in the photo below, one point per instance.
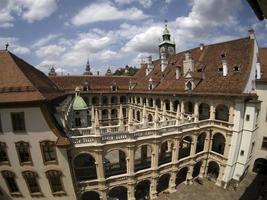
[
  {"x": 260, "y": 166},
  {"x": 181, "y": 176},
  {"x": 150, "y": 118},
  {"x": 189, "y": 107},
  {"x": 138, "y": 115},
  {"x": 222, "y": 112},
  {"x": 95, "y": 100},
  {"x": 165, "y": 152},
  {"x": 123, "y": 100},
  {"x": 158, "y": 103},
  {"x": 104, "y": 114},
  {"x": 114, "y": 100},
  {"x": 138, "y": 100},
  {"x": 218, "y": 143},
  {"x": 196, "y": 169},
  {"x": 115, "y": 162},
  {"x": 142, "y": 190},
  {"x": 163, "y": 182},
  {"x": 175, "y": 105},
  {"x": 144, "y": 101},
  {"x": 200, "y": 142},
  {"x": 114, "y": 113},
  {"x": 150, "y": 102},
  {"x": 105, "y": 100},
  {"x": 204, "y": 111},
  {"x": 185, "y": 147},
  {"x": 84, "y": 167},
  {"x": 90, "y": 195},
  {"x": 213, "y": 170},
  {"x": 142, "y": 157},
  {"x": 167, "y": 104},
  {"x": 118, "y": 192}
]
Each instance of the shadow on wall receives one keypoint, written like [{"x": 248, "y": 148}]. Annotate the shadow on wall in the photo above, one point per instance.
[
  {"x": 4, "y": 195},
  {"x": 257, "y": 190}
]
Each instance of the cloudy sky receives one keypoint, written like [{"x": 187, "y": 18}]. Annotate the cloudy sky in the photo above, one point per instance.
[{"x": 113, "y": 33}]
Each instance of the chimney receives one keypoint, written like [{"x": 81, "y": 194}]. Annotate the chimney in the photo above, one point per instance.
[
  {"x": 258, "y": 70},
  {"x": 163, "y": 61},
  {"x": 225, "y": 67},
  {"x": 201, "y": 46},
  {"x": 177, "y": 73},
  {"x": 188, "y": 63},
  {"x": 251, "y": 33}
]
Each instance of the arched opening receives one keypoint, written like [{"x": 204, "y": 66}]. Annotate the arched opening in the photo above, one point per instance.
[
  {"x": 84, "y": 167},
  {"x": 150, "y": 118},
  {"x": 181, "y": 176},
  {"x": 204, "y": 111},
  {"x": 158, "y": 103},
  {"x": 196, "y": 169},
  {"x": 138, "y": 115},
  {"x": 189, "y": 86},
  {"x": 118, "y": 193},
  {"x": 167, "y": 104},
  {"x": 175, "y": 105},
  {"x": 104, "y": 100},
  {"x": 260, "y": 166},
  {"x": 114, "y": 114},
  {"x": 104, "y": 114},
  {"x": 189, "y": 107},
  {"x": 142, "y": 158},
  {"x": 123, "y": 100},
  {"x": 115, "y": 163},
  {"x": 165, "y": 152},
  {"x": 91, "y": 195},
  {"x": 200, "y": 142},
  {"x": 213, "y": 170},
  {"x": 138, "y": 100},
  {"x": 114, "y": 100},
  {"x": 150, "y": 102},
  {"x": 222, "y": 113},
  {"x": 144, "y": 101},
  {"x": 218, "y": 143},
  {"x": 142, "y": 190},
  {"x": 95, "y": 101},
  {"x": 185, "y": 147},
  {"x": 163, "y": 183}
]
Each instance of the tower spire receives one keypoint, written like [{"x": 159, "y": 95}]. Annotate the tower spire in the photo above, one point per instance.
[{"x": 87, "y": 68}]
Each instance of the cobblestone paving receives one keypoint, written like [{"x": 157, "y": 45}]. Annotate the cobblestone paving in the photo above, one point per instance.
[{"x": 249, "y": 189}]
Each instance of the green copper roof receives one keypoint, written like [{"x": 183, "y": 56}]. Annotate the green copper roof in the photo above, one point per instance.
[
  {"x": 166, "y": 31},
  {"x": 79, "y": 103}
]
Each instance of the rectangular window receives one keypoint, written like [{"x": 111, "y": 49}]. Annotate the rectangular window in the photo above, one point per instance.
[
  {"x": 247, "y": 117},
  {"x": 18, "y": 122},
  {"x": 264, "y": 143},
  {"x": 48, "y": 151},
  {"x": 23, "y": 150},
  {"x": 3, "y": 154}
]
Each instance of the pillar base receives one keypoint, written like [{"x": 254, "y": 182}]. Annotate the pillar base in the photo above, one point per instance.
[
  {"x": 172, "y": 190},
  {"x": 153, "y": 196}
]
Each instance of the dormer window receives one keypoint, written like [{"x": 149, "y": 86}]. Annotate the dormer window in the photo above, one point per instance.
[
  {"x": 150, "y": 86},
  {"x": 114, "y": 86},
  {"x": 236, "y": 68},
  {"x": 223, "y": 55},
  {"x": 189, "y": 86},
  {"x": 220, "y": 69}
]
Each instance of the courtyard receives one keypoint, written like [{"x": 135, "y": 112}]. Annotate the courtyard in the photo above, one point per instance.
[{"x": 251, "y": 188}]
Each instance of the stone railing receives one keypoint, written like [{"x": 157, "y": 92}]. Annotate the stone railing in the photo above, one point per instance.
[{"x": 138, "y": 131}]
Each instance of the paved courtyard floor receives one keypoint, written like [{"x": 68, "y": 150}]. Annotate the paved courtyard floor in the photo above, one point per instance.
[{"x": 251, "y": 188}]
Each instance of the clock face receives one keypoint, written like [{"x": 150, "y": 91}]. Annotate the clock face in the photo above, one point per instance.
[
  {"x": 171, "y": 50},
  {"x": 162, "y": 49}
]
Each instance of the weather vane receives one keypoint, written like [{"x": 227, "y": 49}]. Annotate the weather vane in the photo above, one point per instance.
[{"x": 7, "y": 45}]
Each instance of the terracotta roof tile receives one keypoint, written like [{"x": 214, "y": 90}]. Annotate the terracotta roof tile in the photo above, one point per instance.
[{"x": 263, "y": 61}]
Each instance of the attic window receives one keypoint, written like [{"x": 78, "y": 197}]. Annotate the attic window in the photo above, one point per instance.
[
  {"x": 236, "y": 68},
  {"x": 189, "y": 86},
  {"x": 220, "y": 69},
  {"x": 150, "y": 86},
  {"x": 223, "y": 55},
  {"x": 114, "y": 88}
]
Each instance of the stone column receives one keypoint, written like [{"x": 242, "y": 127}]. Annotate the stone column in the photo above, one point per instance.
[
  {"x": 131, "y": 191},
  {"x": 182, "y": 111},
  {"x": 172, "y": 185},
  {"x": 178, "y": 114},
  {"x": 99, "y": 165},
  {"x": 154, "y": 103},
  {"x": 155, "y": 155},
  {"x": 202, "y": 169},
  {"x": 130, "y": 160},
  {"x": 193, "y": 146},
  {"x": 189, "y": 177},
  {"x": 231, "y": 114},
  {"x": 171, "y": 106},
  {"x": 175, "y": 150},
  {"x": 141, "y": 101},
  {"x": 220, "y": 177},
  {"x": 196, "y": 112},
  {"x": 212, "y": 112},
  {"x": 153, "y": 188},
  {"x": 227, "y": 145},
  {"x": 103, "y": 194}
]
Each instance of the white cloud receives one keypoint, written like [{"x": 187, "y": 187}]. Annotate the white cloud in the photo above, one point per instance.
[
  {"x": 144, "y": 3},
  {"x": 50, "y": 51},
  {"x": 106, "y": 12},
  {"x": 29, "y": 10},
  {"x": 14, "y": 45},
  {"x": 45, "y": 40},
  {"x": 21, "y": 50}
]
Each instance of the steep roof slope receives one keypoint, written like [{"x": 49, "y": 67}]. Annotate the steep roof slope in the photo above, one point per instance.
[
  {"x": 263, "y": 61},
  {"x": 21, "y": 82}
]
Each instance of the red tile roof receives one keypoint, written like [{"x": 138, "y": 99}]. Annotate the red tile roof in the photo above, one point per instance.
[
  {"x": 263, "y": 61},
  {"x": 21, "y": 82}
]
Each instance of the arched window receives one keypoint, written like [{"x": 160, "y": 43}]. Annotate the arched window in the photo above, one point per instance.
[
  {"x": 23, "y": 150},
  {"x": 84, "y": 167},
  {"x": 204, "y": 111},
  {"x": 10, "y": 179},
  {"x": 3, "y": 154},
  {"x": 114, "y": 100},
  {"x": 54, "y": 178},
  {"x": 222, "y": 113},
  {"x": 218, "y": 143},
  {"x": 189, "y": 86},
  {"x": 105, "y": 100},
  {"x": 48, "y": 149},
  {"x": 32, "y": 183}
]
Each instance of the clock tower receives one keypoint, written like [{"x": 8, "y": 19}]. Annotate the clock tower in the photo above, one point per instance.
[{"x": 166, "y": 46}]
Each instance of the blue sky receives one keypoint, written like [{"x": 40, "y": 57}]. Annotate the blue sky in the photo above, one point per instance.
[{"x": 113, "y": 33}]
